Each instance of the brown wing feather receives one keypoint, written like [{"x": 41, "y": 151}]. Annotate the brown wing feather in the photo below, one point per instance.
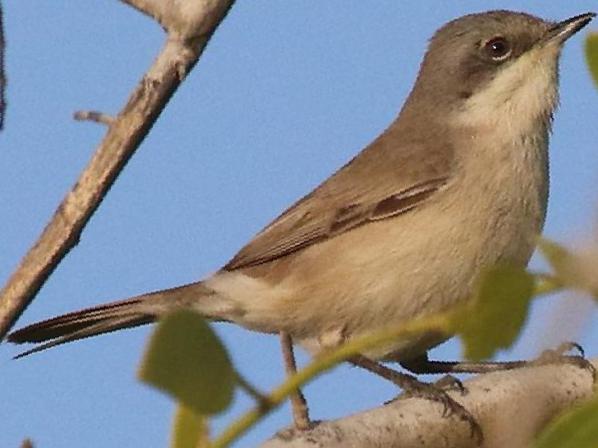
[
  {"x": 337, "y": 221},
  {"x": 385, "y": 180}
]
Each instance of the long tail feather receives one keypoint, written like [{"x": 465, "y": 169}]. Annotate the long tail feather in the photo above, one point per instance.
[
  {"x": 106, "y": 318},
  {"x": 75, "y": 321},
  {"x": 85, "y": 332}
]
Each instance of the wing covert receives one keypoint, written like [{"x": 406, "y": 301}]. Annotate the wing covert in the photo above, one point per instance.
[{"x": 300, "y": 227}]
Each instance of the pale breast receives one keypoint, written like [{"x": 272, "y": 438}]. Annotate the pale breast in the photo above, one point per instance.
[{"x": 428, "y": 260}]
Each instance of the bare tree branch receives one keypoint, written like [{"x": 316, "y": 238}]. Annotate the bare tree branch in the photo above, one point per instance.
[
  {"x": 512, "y": 407},
  {"x": 190, "y": 24},
  {"x": 2, "y": 71}
]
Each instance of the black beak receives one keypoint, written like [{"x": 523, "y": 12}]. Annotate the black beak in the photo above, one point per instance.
[{"x": 562, "y": 31}]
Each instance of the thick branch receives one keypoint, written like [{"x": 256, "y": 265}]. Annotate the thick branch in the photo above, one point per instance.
[
  {"x": 187, "y": 38},
  {"x": 512, "y": 407}
]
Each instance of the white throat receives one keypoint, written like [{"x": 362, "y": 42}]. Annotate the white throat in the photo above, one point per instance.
[{"x": 520, "y": 99}]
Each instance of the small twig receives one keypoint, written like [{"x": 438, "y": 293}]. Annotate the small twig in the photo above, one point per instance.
[
  {"x": 27, "y": 443},
  {"x": 2, "y": 72},
  {"x": 93, "y": 115},
  {"x": 261, "y": 398},
  {"x": 546, "y": 284}
]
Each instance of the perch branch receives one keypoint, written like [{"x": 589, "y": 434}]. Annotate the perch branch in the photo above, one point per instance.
[{"x": 512, "y": 407}]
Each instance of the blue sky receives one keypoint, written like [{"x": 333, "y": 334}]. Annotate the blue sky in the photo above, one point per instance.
[{"x": 285, "y": 93}]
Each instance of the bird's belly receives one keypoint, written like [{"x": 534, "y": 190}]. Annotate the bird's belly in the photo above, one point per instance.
[{"x": 419, "y": 264}]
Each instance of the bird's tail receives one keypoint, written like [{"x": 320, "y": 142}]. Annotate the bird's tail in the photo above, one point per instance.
[{"x": 109, "y": 317}]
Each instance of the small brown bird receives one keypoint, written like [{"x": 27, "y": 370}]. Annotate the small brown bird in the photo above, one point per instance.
[{"x": 457, "y": 183}]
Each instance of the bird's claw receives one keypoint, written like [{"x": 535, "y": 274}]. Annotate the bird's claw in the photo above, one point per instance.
[
  {"x": 559, "y": 356},
  {"x": 435, "y": 392},
  {"x": 450, "y": 382}
]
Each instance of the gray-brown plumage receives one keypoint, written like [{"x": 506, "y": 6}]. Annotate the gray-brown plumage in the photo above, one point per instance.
[{"x": 457, "y": 183}]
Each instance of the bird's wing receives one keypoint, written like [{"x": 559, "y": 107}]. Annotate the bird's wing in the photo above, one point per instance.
[{"x": 381, "y": 182}]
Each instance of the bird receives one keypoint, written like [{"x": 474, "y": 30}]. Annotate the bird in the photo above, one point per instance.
[{"x": 456, "y": 184}]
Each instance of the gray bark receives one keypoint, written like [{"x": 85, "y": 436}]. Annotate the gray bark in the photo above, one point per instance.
[{"x": 512, "y": 407}]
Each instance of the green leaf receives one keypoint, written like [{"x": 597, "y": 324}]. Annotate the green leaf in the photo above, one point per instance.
[
  {"x": 495, "y": 317},
  {"x": 186, "y": 359},
  {"x": 560, "y": 259},
  {"x": 190, "y": 430},
  {"x": 575, "y": 429},
  {"x": 592, "y": 55},
  {"x": 575, "y": 270}
]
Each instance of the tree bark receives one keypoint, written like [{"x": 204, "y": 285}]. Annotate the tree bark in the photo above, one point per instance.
[{"x": 512, "y": 407}]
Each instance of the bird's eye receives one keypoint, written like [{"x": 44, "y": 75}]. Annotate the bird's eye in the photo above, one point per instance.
[{"x": 498, "y": 48}]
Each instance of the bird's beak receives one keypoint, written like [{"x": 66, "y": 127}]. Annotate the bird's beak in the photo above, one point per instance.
[{"x": 562, "y": 31}]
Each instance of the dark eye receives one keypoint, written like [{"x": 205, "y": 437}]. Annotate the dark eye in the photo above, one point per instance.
[{"x": 498, "y": 48}]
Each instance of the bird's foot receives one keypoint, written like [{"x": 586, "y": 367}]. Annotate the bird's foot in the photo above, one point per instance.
[
  {"x": 437, "y": 392},
  {"x": 560, "y": 356},
  {"x": 413, "y": 388},
  {"x": 450, "y": 382}
]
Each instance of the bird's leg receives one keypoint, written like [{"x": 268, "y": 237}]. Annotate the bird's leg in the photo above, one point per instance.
[
  {"x": 298, "y": 402},
  {"x": 422, "y": 365},
  {"x": 412, "y": 387}
]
